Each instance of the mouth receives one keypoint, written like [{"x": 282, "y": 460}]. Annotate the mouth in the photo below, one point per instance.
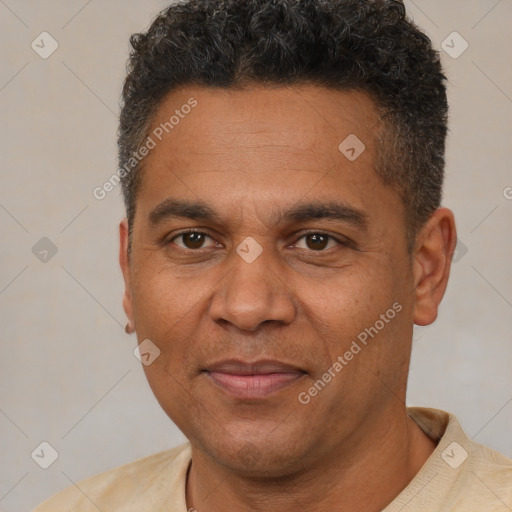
[{"x": 255, "y": 380}]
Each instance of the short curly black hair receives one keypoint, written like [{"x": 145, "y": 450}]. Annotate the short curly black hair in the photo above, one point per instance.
[{"x": 367, "y": 45}]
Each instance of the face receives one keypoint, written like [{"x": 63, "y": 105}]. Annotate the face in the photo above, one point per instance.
[{"x": 262, "y": 255}]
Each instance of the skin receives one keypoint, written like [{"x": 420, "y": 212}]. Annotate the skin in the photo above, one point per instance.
[{"x": 251, "y": 155}]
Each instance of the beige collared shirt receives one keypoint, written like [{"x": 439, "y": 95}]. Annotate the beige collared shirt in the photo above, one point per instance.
[{"x": 460, "y": 475}]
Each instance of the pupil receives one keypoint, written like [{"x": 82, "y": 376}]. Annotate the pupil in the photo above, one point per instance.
[
  {"x": 194, "y": 240},
  {"x": 319, "y": 241}
]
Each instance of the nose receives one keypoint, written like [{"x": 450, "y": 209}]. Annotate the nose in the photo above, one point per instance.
[{"x": 252, "y": 294}]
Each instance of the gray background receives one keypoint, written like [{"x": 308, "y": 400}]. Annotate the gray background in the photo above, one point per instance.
[{"x": 68, "y": 373}]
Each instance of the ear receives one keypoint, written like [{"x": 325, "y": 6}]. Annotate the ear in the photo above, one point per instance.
[
  {"x": 432, "y": 261},
  {"x": 124, "y": 262}
]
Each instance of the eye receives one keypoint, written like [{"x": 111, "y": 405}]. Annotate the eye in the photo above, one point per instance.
[
  {"x": 318, "y": 241},
  {"x": 192, "y": 239}
]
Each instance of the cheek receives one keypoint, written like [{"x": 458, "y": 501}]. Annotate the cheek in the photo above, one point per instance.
[
  {"x": 171, "y": 324},
  {"x": 162, "y": 300},
  {"x": 172, "y": 392},
  {"x": 359, "y": 318},
  {"x": 347, "y": 302},
  {"x": 167, "y": 312}
]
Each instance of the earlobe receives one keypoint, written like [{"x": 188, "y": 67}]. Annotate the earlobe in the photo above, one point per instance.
[
  {"x": 433, "y": 256},
  {"x": 124, "y": 262}
]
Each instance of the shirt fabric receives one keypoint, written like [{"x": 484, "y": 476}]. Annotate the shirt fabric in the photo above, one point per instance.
[{"x": 460, "y": 475}]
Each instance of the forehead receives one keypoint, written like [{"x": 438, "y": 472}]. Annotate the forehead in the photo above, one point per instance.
[
  {"x": 302, "y": 118},
  {"x": 277, "y": 144}
]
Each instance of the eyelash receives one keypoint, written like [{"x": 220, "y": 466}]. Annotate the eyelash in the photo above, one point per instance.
[{"x": 343, "y": 243}]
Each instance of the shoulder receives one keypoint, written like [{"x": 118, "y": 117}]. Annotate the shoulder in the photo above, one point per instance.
[
  {"x": 492, "y": 469},
  {"x": 461, "y": 474},
  {"x": 159, "y": 475}
]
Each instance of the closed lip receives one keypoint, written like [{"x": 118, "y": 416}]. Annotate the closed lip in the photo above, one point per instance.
[
  {"x": 260, "y": 367},
  {"x": 252, "y": 380}
]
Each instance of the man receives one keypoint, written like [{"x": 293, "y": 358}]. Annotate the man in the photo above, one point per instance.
[{"x": 282, "y": 167}]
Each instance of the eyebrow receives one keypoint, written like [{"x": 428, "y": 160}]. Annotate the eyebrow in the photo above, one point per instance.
[
  {"x": 200, "y": 211},
  {"x": 176, "y": 209},
  {"x": 331, "y": 210}
]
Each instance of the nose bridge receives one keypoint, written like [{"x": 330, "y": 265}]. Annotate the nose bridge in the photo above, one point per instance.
[{"x": 252, "y": 292}]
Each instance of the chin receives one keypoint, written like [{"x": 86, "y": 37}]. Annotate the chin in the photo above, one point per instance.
[{"x": 255, "y": 455}]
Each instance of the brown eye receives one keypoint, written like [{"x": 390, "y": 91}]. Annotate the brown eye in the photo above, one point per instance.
[
  {"x": 317, "y": 242},
  {"x": 191, "y": 240}
]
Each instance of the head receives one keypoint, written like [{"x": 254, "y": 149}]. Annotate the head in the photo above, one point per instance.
[{"x": 303, "y": 142}]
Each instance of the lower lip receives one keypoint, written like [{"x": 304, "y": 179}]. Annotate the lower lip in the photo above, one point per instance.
[{"x": 254, "y": 386}]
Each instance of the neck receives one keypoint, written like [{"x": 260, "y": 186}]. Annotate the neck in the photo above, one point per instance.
[{"x": 367, "y": 477}]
